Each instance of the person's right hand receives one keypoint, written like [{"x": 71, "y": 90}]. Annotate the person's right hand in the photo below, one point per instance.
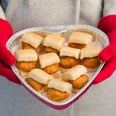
[
  {"x": 6, "y": 58},
  {"x": 108, "y": 25}
]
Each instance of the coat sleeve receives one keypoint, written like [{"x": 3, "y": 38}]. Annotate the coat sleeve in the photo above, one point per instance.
[
  {"x": 108, "y": 22},
  {"x": 90, "y": 11},
  {"x": 109, "y": 7}
]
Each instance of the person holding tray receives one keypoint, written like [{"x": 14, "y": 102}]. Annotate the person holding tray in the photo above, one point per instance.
[{"x": 16, "y": 15}]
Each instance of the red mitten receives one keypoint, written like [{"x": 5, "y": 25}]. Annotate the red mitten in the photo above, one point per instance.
[
  {"x": 6, "y": 58},
  {"x": 108, "y": 54},
  {"x": 6, "y": 72}
]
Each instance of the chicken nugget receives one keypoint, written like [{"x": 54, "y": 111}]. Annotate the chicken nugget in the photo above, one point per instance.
[
  {"x": 26, "y": 66},
  {"x": 80, "y": 39},
  {"x": 26, "y": 59},
  {"x": 34, "y": 84},
  {"x": 78, "y": 46},
  {"x": 50, "y": 49},
  {"x": 68, "y": 62},
  {"x": 80, "y": 82},
  {"x": 58, "y": 90},
  {"x": 89, "y": 56},
  {"x": 69, "y": 57},
  {"x": 49, "y": 62},
  {"x": 28, "y": 46},
  {"x": 51, "y": 68},
  {"x": 32, "y": 39},
  {"x": 56, "y": 95},
  {"x": 90, "y": 62},
  {"x": 53, "y": 43}
]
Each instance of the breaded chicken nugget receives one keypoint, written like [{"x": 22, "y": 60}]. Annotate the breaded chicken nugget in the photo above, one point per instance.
[
  {"x": 26, "y": 59},
  {"x": 90, "y": 62},
  {"x": 69, "y": 57},
  {"x": 89, "y": 56},
  {"x": 80, "y": 82},
  {"x": 26, "y": 66},
  {"x": 53, "y": 43},
  {"x": 50, "y": 49},
  {"x": 78, "y": 46},
  {"x": 28, "y": 46},
  {"x": 80, "y": 39},
  {"x": 32, "y": 39},
  {"x": 51, "y": 68},
  {"x": 34, "y": 84},
  {"x": 58, "y": 90},
  {"x": 49, "y": 62},
  {"x": 77, "y": 76},
  {"x": 68, "y": 62},
  {"x": 56, "y": 95}
]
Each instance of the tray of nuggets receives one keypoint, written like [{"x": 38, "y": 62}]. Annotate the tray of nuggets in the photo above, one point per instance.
[{"x": 57, "y": 64}]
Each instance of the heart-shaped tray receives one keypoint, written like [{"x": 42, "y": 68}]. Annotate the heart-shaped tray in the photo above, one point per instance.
[{"x": 99, "y": 37}]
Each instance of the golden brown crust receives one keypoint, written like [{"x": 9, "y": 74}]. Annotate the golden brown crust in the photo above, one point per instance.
[
  {"x": 68, "y": 62},
  {"x": 49, "y": 50},
  {"x": 56, "y": 95},
  {"x": 75, "y": 45},
  {"x": 27, "y": 46},
  {"x": 80, "y": 82},
  {"x": 90, "y": 62},
  {"x": 26, "y": 66},
  {"x": 34, "y": 84},
  {"x": 51, "y": 68}
]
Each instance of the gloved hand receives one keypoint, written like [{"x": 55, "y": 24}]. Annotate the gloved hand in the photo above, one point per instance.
[
  {"x": 6, "y": 58},
  {"x": 108, "y": 54}
]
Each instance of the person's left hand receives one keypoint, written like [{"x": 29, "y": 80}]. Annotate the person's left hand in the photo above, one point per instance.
[
  {"x": 108, "y": 54},
  {"x": 6, "y": 58}
]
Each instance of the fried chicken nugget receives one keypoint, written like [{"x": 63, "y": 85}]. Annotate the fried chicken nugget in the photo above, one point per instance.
[
  {"x": 89, "y": 56},
  {"x": 53, "y": 43},
  {"x": 34, "y": 84},
  {"x": 27, "y": 46},
  {"x": 80, "y": 39},
  {"x": 26, "y": 66},
  {"x": 80, "y": 82},
  {"x": 49, "y": 62},
  {"x": 49, "y": 50},
  {"x": 68, "y": 62},
  {"x": 75, "y": 45},
  {"x": 26, "y": 59},
  {"x": 58, "y": 90},
  {"x": 76, "y": 76},
  {"x": 91, "y": 62},
  {"x": 56, "y": 95},
  {"x": 31, "y": 40},
  {"x": 51, "y": 68}
]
